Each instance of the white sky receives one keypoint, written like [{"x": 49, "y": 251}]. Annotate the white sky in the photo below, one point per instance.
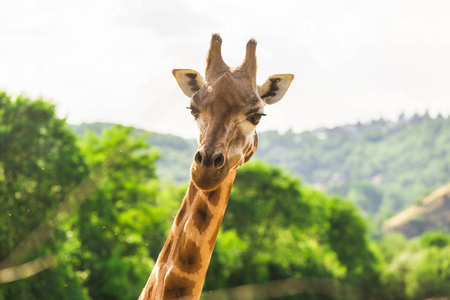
[{"x": 111, "y": 61}]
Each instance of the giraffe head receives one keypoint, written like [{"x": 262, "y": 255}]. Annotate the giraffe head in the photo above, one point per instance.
[{"x": 227, "y": 105}]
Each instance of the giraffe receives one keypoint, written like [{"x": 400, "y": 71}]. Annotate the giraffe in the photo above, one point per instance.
[{"x": 227, "y": 105}]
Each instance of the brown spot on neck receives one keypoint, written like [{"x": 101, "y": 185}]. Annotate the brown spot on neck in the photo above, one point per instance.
[
  {"x": 214, "y": 196},
  {"x": 212, "y": 240},
  {"x": 202, "y": 216},
  {"x": 189, "y": 259},
  {"x": 176, "y": 287},
  {"x": 181, "y": 213},
  {"x": 164, "y": 256},
  {"x": 150, "y": 294},
  {"x": 192, "y": 192}
]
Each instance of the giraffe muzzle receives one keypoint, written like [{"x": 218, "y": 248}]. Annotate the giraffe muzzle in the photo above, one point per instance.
[
  {"x": 209, "y": 168},
  {"x": 209, "y": 159}
]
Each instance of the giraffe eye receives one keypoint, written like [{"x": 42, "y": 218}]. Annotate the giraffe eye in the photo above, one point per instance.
[
  {"x": 255, "y": 118},
  {"x": 194, "y": 112}
]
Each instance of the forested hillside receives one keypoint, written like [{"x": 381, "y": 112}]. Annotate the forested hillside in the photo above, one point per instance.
[{"x": 383, "y": 166}]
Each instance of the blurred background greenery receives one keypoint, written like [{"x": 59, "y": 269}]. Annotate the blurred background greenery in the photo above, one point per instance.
[{"x": 100, "y": 199}]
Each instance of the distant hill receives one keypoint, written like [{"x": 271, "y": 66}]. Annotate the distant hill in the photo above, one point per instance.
[
  {"x": 384, "y": 166},
  {"x": 432, "y": 213}
]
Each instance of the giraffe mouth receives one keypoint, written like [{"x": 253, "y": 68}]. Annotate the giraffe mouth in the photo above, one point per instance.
[{"x": 208, "y": 178}]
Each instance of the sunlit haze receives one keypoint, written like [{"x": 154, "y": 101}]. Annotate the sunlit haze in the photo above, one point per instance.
[{"x": 111, "y": 61}]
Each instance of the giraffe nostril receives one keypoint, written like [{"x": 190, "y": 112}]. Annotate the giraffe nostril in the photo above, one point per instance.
[
  {"x": 198, "y": 158},
  {"x": 219, "y": 161}
]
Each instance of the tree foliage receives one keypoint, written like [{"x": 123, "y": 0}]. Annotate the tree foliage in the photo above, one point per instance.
[
  {"x": 416, "y": 269},
  {"x": 39, "y": 164},
  {"x": 111, "y": 241}
]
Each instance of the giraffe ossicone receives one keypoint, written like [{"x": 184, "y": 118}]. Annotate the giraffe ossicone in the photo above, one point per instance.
[{"x": 227, "y": 106}]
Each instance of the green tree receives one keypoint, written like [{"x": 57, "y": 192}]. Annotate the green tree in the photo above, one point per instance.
[
  {"x": 432, "y": 238},
  {"x": 429, "y": 274},
  {"x": 347, "y": 235},
  {"x": 112, "y": 223},
  {"x": 39, "y": 165},
  {"x": 418, "y": 268}
]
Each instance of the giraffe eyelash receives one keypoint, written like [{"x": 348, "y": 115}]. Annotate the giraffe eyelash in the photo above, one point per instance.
[
  {"x": 194, "y": 112},
  {"x": 255, "y": 118}
]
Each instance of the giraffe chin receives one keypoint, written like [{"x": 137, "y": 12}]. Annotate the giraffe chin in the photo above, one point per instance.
[{"x": 208, "y": 179}]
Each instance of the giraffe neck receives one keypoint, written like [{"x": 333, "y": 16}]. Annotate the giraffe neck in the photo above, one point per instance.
[{"x": 181, "y": 267}]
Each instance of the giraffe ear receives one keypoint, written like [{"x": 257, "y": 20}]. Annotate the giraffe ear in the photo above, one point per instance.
[
  {"x": 190, "y": 81},
  {"x": 275, "y": 87}
]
